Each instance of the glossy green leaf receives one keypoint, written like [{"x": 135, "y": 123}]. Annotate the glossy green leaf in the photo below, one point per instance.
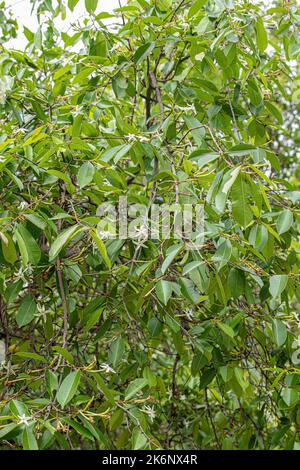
[
  {"x": 279, "y": 332},
  {"x": 62, "y": 240},
  {"x": 26, "y": 311},
  {"x": 226, "y": 329},
  {"x": 278, "y": 283},
  {"x": 85, "y": 174},
  {"x": 28, "y": 439},
  {"x": 261, "y": 35},
  {"x": 116, "y": 351},
  {"x": 101, "y": 247},
  {"x": 91, "y": 5},
  {"x": 241, "y": 210},
  {"x": 8, "y": 249},
  {"x": 134, "y": 387},
  {"x": 163, "y": 291},
  {"x": 29, "y": 244},
  {"x": 68, "y": 388},
  {"x": 142, "y": 52},
  {"x": 284, "y": 222}
]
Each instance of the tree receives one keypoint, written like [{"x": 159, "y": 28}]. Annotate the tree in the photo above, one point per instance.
[{"x": 149, "y": 343}]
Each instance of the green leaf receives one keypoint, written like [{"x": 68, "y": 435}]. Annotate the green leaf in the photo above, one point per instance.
[
  {"x": 72, "y": 4},
  {"x": 101, "y": 247},
  {"x": 279, "y": 332},
  {"x": 64, "y": 353},
  {"x": 199, "y": 362},
  {"x": 233, "y": 176},
  {"x": 236, "y": 282},
  {"x": 284, "y": 221},
  {"x": 18, "y": 408},
  {"x": 104, "y": 389},
  {"x": 188, "y": 290},
  {"x": 30, "y": 245},
  {"x": 8, "y": 249},
  {"x": 258, "y": 236},
  {"x": 155, "y": 326},
  {"x": 31, "y": 355},
  {"x": 8, "y": 429},
  {"x": 15, "y": 178},
  {"x": 239, "y": 374},
  {"x": 226, "y": 373},
  {"x": 196, "y": 7},
  {"x": 171, "y": 254},
  {"x": 142, "y": 52},
  {"x": 196, "y": 129},
  {"x": 91, "y": 5},
  {"x": 241, "y": 210},
  {"x": 163, "y": 291},
  {"x": 116, "y": 351},
  {"x": 92, "y": 320},
  {"x": 206, "y": 378},
  {"x": 22, "y": 248},
  {"x": 139, "y": 440},
  {"x": 28, "y": 439},
  {"x": 62, "y": 240},
  {"x": 275, "y": 111},
  {"x": 202, "y": 157},
  {"x": 51, "y": 380},
  {"x": 81, "y": 430},
  {"x": 85, "y": 174},
  {"x": 36, "y": 220},
  {"x": 60, "y": 175},
  {"x": 261, "y": 35},
  {"x": 134, "y": 387},
  {"x": 68, "y": 388},
  {"x": 226, "y": 329},
  {"x": 115, "y": 153},
  {"x": 98, "y": 435},
  {"x": 241, "y": 150},
  {"x": 290, "y": 396},
  {"x": 278, "y": 283},
  {"x": 223, "y": 254},
  {"x": 26, "y": 311},
  {"x": 190, "y": 267}
]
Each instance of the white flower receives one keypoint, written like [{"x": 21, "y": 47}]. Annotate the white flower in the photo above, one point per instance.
[
  {"x": 106, "y": 368},
  {"x": 140, "y": 232},
  {"x": 131, "y": 137},
  {"x": 23, "y": 419},
  {"x": 41, "y": 308},
  {"x": 134, "y": 137},
  {"x": 104, "y": 234},
  {"x": 149, "y": 410},
  {"x": 23, "y": 204},
  {"x": 199, "y": 56},
  {"x": 41, "y": 311},
  {"x": 143, "y": 138},
  {"x": 21, "y": 273},
  {"x": 296, "y": 343},
  {"x": 189, "y": 313},
  {"x": 184, "y": 24}
]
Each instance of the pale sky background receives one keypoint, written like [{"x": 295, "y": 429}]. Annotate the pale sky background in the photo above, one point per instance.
[{"x": 22, "y": 12}]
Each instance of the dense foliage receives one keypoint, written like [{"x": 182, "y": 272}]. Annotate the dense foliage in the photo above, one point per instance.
[{"x": 132, "y": 343}]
